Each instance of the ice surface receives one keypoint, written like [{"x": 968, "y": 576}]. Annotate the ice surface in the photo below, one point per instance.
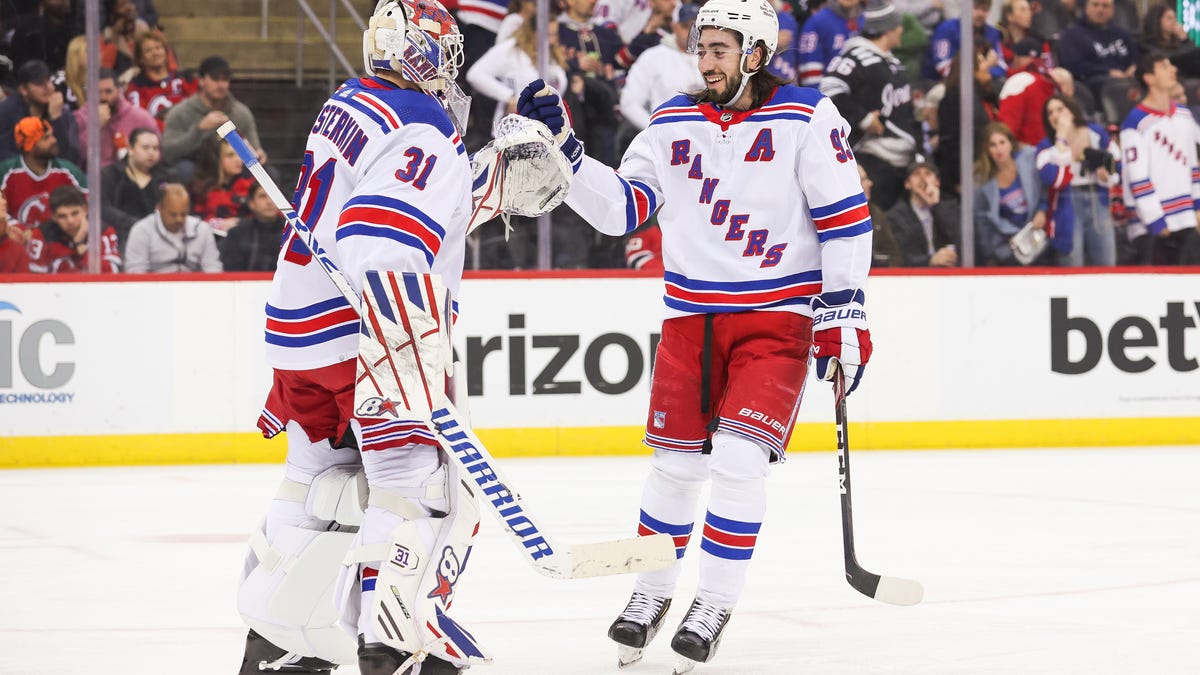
[{"x": 1033, "y": 561}]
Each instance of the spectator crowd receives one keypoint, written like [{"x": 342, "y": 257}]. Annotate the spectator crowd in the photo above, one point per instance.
[{"x": 1085, "y": 140}]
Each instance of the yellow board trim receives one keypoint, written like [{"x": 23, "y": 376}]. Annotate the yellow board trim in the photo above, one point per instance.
[{"x": 239, "y": 448}]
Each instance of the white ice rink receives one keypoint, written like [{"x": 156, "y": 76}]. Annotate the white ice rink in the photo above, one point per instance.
[{"x": 1034, "y": 562}]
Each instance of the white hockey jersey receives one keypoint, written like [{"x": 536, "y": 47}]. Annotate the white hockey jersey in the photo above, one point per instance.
[
  {"x": 385, "y": 185},
  {"x": 761, "y": 210},
  {"x": 1160, "y": 172}
]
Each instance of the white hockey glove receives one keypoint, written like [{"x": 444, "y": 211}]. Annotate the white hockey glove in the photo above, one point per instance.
[
  {"x": 520, "y": 172},
  {"x": 840, "y": 335},
  {"x": 539, "y": 101}
]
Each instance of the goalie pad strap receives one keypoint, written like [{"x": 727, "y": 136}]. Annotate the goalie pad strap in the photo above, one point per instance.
[
  {"x": 336, "y": 494},
  {"x": 400, "y": 500}
]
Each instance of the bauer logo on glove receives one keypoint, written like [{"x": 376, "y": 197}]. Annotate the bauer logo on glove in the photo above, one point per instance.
[{"x": 840, "y": 336}]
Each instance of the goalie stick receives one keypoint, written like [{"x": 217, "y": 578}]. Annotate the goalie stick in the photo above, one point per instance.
[
  {"x": 550, "y": 558},
  {"x": 892, "y": 590}
]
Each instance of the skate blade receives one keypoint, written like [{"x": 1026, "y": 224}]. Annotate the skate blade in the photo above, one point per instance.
[
  {"x": 683, "y": 665},
  {"x": 627, "y": 656}
]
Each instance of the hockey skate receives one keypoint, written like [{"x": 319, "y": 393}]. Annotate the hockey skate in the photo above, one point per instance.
[
  {"x": 636, "y": 626},
  {"x": 699, "y": 635},
  {"x": 375, "y": 658},
  {"x": 263, "y": 656}
]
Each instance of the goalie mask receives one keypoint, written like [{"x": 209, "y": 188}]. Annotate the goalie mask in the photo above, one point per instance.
[{"x": 420, "y": 40}]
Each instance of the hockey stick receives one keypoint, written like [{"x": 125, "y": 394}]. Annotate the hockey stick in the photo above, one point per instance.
[
  {"x": 638, "y": 554},
  {"x": 892, "y": 590}
]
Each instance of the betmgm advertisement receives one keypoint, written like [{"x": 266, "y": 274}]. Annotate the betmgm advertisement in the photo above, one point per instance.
[{"x": 173, "y": 371}]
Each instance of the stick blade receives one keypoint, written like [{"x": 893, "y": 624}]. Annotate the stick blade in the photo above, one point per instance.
[
  {"x": 897, "y": 591},
  {"x": 621, "y": 556}
]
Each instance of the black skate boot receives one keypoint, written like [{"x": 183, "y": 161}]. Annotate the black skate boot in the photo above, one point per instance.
[
  {"x": 376, "y": 658},
  {"x": 263, "y": 657},
  {"x": 699, "y": 635},
  {"x": 637, "y": 625}
]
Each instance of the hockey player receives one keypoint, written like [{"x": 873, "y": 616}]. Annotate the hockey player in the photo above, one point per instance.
[
  {"x": 765, "y": 234},
  {"x": 1160, "y": 172},
  {"x": 386, "y": 186}
]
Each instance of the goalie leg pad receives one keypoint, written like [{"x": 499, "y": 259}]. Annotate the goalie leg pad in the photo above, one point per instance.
[
  {"x": 287, "y": 597},
  {"x": 414, "y": 584}
]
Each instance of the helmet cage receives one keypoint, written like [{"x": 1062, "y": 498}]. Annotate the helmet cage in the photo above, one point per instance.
[{"x": 416, "y": 38}]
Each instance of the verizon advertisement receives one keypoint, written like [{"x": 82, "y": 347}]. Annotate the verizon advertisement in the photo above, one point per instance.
[{"x": 174, "y": 357}]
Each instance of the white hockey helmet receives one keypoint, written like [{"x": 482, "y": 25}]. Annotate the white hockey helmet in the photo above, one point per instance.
[
  {"x": 753, "y": 20},
  {"x": 420, "y": 40}
]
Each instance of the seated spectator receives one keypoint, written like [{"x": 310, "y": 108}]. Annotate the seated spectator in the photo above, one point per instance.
[
  {"x": 504, "y": 70},
  {"x": 1009, "y": 196},
  {"x": 824, "y": 35},
  {"x": 1052, "y": 17},
  {"x": 1160, "y": 166},
  {"x": 885, "y": 252},
  {"x": 1028, "y": 87},
  {"x": 170, "y": 239},
  {"x": 1016, "y": 26},
  {"x": 596, "y": 61},
  {"x": 926, "y": 228},
  {"x": 785, "y": 62},
  {"x": 220, "y": 187},
  {"x": 253, "y": 246},
  {"x": 37, "y": 97},
  {"x": 72, "y": 79},
  {"x": 1162, "y": 32},
  {"x": 985, "y": 109},
  {"x": 129, "y": 187},
  {"x": 190, "y": 123},
  {"x": 28, "y": 179},
  {"x": 14, "y": 259},
  {"x": 118, "y": 119},
  {"x": 1095, "y": 51},
  {"x": 157, "y": 87},
  {"x": 656, "y": 29},
  {"x": 867, "y": 84},
  {"x": 60, "y": 245},
  {"x": 945, "y": 44},
  {"x": 666, "y": 70},
  {"x": 42, "y": 35},
  {"x": 643, "y": 248},
  {"x": 121, "y": 31},
  {"x": 1077, "y": 164}
]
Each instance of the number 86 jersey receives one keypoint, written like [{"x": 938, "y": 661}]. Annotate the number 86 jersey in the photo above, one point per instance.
[
  {"x": 385, "y": 185},
  {"x": 761, "y": 209}
]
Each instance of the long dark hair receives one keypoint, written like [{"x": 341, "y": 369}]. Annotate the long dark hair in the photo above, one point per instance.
[
  {"x": 762, "y": 84},
  {"x": 1072, "y": 107},
  {"x": 1152, "y": 33}
]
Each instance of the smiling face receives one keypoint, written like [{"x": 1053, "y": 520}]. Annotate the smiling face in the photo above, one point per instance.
[{"x": 720, "y": 62}]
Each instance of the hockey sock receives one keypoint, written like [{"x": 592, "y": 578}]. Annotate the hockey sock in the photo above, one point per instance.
[
  {"x": 669, "y": 507},
  {"x": 735, "y": 513}
]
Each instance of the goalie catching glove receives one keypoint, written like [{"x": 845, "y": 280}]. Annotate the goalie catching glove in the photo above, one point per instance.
[
  {"x": 539, "y": 101},
  {"x": 521, "y": 172},
  {"x": 840, "y": 335}
]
